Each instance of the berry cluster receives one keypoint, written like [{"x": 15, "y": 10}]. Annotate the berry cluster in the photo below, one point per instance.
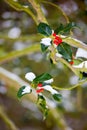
[
  {"x": 57, "y": 40},
  {"x": 40, "y": 88}
]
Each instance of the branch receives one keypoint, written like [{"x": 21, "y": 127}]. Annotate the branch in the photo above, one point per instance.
[
  {"x": 79, "y": 99},
  {"x": 17, "y": 6},
  {"x": 15, "y": 54},
  {"x": 8, "y": 122},
  {"x": 33, "y": 37},
  {"x": 36, "y": 6},
  {"x": 72, "y": 87},
  {"x": 68, "y": 65}
]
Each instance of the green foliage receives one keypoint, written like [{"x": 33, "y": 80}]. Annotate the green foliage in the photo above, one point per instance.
[
  {"x": 44, "y": 29},
  {"x": 57, "y": 97},
  {"x": 42, "y": 104},
  {"x": 83, "y": 75},
  {"x": 77, "y": 61},
  {"x": 41, "y": 78},
  {"x": 65, "y": 29},
  {"x": 43, "y": 47},
  {"x": 20, "y": 92},
  {"x": 40, "y": 83},
  {"x": 65, "y": 50}
]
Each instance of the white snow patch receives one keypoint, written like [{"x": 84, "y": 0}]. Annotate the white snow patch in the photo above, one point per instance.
[
  {"x": 50, "y": 89},
  {"x": 49, "y": 81},
  {"x": 58, "y": 55},
  {"x": 46, "y": 41},
  {"x": 81, "y": 53},
  {"x": 27, "y": 89},
  {"x": 30, "y": 76}
]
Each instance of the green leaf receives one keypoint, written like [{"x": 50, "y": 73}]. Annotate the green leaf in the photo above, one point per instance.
[
  {"x": 65, "y": 50},
  {"x": 83, "y": 75},
  {"x": 45, "y": 112},
  {"x": 42, "y": 78},
  {"x": 77, "y": 61},
  {"x": 43, "y": 47},
  {"x": 75, "y": 43},
  {"x": 69, "y": 26},
  {"x": 65, "y": 29},
  {"x": 44, "y": 29},
  {"x": 41, "y": 100},
  {"x": 57, "y": 97},
  {"x": 21, "y": 93},
  {"x": 42, "y": 104},
  {"x": 59, "y": 29}
]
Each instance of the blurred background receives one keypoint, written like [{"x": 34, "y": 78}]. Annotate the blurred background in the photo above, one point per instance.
[{"x": 18, "y": 31}]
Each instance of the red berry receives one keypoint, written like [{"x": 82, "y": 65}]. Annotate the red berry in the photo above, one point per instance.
[
  {"x": 71, "y": 62},
  {"x": 54, "y": 34},
  {"x": 40, "y": 90},
  {"x": 57, "y": 40},
  {"x": 40, "y": 85},
  {"x": 57, "y": 37}
]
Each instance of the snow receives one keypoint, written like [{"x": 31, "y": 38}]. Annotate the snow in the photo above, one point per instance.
[{"x": 30, "y": 76}]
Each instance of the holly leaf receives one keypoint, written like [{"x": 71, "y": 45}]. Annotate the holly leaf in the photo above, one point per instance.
[
  {"x": 69, "y": 26},
  {"x": 57, "y": 97},
  {"x": 44, "y": 29},
  {"x": 65, "y": 50},
  {"x": 41, "y": 101},
  {"x": 59, "y": 30},
  {"x": 43, "y": 77},
  {"x": 83, "y": 75},
  {"x": 43, "y": 47},
  {"x": 23, "y": 90},
  {"x": 65, "y": 29},
  {"x": 42, "y": 104}
]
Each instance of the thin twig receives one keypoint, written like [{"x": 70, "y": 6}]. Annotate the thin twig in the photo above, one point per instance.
[
  {"x": 63, "y": 13},
  {"x": 72, "y": 87}
]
